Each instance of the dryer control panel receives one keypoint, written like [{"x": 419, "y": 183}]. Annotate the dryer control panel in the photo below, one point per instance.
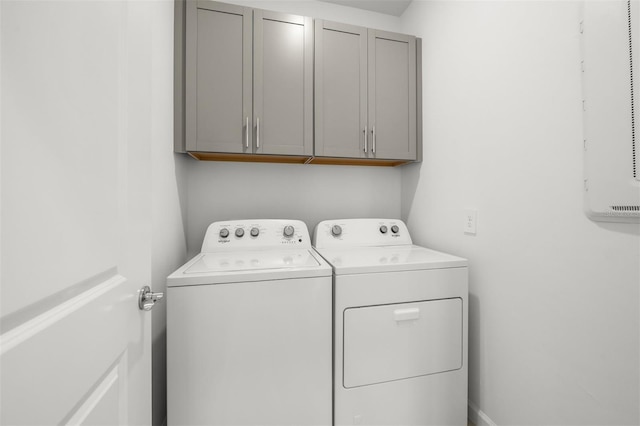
[
  {"x": 256, "y": 234},
  {"x": 361, "y": 233}
]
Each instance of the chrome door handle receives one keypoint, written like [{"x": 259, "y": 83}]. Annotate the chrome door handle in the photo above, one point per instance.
[
  {"x": 365, "y": 138},
  {"x": 247, "y": 135},
  {"x": 147, "y": 299},
  {"x": 258, "y": 133}
]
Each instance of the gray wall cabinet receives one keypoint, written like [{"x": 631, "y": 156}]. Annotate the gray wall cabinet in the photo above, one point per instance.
[
  {"x": 365, "y": 93},
  {"x": 248, "y": 81},
  {"x": 256, "y": 85},
  {"x": 218, "y": 77},
  {"x": 283, "y": 83},
  {"x": 341, "y": 89}
]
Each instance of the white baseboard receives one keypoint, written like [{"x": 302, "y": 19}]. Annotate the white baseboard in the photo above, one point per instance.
[{"x": 478, "y": 417}]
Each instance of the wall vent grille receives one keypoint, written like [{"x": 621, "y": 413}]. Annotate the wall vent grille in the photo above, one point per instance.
[
  {"x": 625, "y": 208},
  {"x": 633, "y": 118},
  {"x": 608, "y": 34}
]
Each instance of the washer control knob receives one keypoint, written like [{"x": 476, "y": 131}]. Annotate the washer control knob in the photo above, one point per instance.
[
  {"x": 383, "y": 229},
  {"x": 336, "y": 230},
  {"x": 239, "y": 232},
  {"x": 395, "y": 229},
  {"x": 288, "y": 231},
  {"x": 224, "y": 233},
  {"x": 255, "y": 232}
]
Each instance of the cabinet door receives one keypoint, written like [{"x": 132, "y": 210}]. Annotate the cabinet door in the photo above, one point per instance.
[
  {"x": 283, "y": 83},
  {"x": 218, "y": 77},
  {"x": 340, "y": 90},
  {"x": 392, "y": 95}
]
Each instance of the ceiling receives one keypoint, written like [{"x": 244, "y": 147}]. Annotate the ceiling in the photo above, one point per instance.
[{"x": 389, "y": 7}]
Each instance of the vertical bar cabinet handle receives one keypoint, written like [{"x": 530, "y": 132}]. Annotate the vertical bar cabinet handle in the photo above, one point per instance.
[
  {"x": 247, "y": 135},
  {"x": 373, "y": 131},
  {"x": 258, "y": 132},
  {"x": 365, "y": 138}
]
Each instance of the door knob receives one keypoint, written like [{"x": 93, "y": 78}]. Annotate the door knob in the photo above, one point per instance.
[{"x": 147, "y": 299}]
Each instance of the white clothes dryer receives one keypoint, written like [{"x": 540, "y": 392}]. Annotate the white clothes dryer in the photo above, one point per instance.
[
  {"x": 249, "y": 329},
  {"x": 400, "y": 326}
]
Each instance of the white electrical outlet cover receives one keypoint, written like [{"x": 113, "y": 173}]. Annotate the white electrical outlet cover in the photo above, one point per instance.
[{"x": 470, "y": 221}]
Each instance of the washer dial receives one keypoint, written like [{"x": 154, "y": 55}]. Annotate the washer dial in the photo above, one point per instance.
[
  {"x": 336, "y": 230},
  {"x": 239, "y": 232},
  {"x": 288, "y": 231}
]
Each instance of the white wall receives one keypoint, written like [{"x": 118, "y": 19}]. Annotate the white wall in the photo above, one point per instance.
[
  {"x": 221, "y": 191},
  {"x": 554, "y": 303},
  {"x": 168, "y": 193},
  {"x": 311, "y": 193}
]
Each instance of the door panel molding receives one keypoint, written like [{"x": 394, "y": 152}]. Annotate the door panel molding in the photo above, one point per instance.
[
  {"x": 82, "y": 331},
  {"x": 106, "y": 399},
  {"x": 39, "y": 307},
  {"x": 47, "y": 319}
]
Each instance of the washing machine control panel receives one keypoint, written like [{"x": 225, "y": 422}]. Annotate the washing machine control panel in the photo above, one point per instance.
[
  {"x": 360, "y": 233},
  {"x": 255, "y": 234}
]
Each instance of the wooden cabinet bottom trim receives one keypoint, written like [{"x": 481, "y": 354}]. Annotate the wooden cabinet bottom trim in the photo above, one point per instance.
[
  {"x": 291, "y": 159},
  {"x": 357, "y": 161},
  {"x": 248, "y": 158}
]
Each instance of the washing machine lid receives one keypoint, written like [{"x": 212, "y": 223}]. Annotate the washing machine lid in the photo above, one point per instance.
[
  {"x": 243, "y": 266},
  {"x": 363, "y": 260}
]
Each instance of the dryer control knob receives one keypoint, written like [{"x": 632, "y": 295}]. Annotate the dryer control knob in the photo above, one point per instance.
[
  {"x": 383, "y": 229},
  {"x": 395, "y": 229},
  {"x": 336, "y": 230},
  {"x": 239, "y": 232},
  {"x": 224, "y": 233},
  {"x": 288, "y": 231},
  {"x": 255, "y": 232}
]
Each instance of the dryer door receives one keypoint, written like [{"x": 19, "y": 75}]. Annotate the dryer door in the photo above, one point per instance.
[{"x": 392, "y": 342}]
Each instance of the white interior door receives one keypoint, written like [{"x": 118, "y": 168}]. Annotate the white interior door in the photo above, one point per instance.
[{"x": 75, "y": 348}]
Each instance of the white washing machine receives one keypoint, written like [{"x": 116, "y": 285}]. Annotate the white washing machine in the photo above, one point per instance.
[
  {"x": 249, "y": 329},
  {"x": 400, "y": 326}
]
